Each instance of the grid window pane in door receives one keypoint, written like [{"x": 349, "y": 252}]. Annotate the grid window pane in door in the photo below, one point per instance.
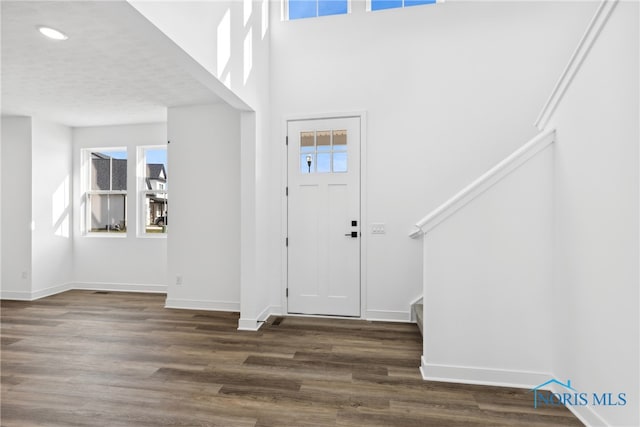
[
  {"x": 307, "y": 163},
  {"x": 340, "y": 155},
  {"x": 324, "y": 163},
  {"x": 323, "y": 151},
  {"x": 323, "y": 138},
  {"x": 339, "y": 140},
  {"x": 340, "y": 162},
  {"x": 307, "y": 152}
]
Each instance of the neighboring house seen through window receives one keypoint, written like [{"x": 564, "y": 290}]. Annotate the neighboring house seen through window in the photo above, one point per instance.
[
  {"x": 106, "y": 192},
  {"x": 153, "y": 188}
]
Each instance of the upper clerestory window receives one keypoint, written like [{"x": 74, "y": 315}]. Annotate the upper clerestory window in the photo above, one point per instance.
[
  {"x": 392, "y": 4},
  {"x": 299, "y": 9}
]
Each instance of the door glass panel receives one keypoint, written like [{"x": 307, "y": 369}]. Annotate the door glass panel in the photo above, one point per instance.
[
  {"x": 339, "y": 140},
  {"x": 324, "y": 163},
  {"x": 307, "y": 142},
  {"x": 323, "y": 139},
  {"x": 304, "y": 163},
  {"x": 340, "y": 162},
  {"x": 325, "y": 149}
]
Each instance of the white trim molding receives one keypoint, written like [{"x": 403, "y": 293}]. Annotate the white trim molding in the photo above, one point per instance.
[
  {"x": 584, "y": 46},
  {"x": 53, "y": 290},
  {"x": 411, "y": 304},
  {"x": 482, "y": 376},
  {"x": 119, "y": 287},
  {"x": 585, "y": 414},
  {"x": 505, "y": 378},
  {"x": 388, "y": 316},
  {"x": 484, "y": 182},
  {"x": 207, "y": 305},
  {"x": 255, "y": 324},
  {"x": 251, "y": 325},
  {"x": 286, "y": 118},
  {"x": 16, "y": 296},
  {"x": 83, "y": 286}
]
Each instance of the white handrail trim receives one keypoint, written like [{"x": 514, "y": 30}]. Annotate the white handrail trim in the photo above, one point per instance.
[
  {"x": 415, "y": 233},
  {"x": 584, "y": 46},
  {"x": 484, "y": 182}
]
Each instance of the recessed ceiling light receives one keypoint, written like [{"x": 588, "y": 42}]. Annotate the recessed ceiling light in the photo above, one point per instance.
[{"x": 52, "y": 33}]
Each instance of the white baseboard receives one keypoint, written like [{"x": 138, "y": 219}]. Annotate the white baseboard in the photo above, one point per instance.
[
  {"x": 274, "y": 310},
  {"x": 414, "y": 302},
  {"x": 119, "y": 287},
  {"x": 249, "y": 324},
  {"x": 586, "y": 414},
  {"x": 15, "y": 296},
  {"x": 245, "y": 324},
  {"x": 51, "y": 291},
  {"x": 505, "y": 378},
  {"x": 208, "y": 305},
  {"x": 482, "y": 376},
  {"x": 388, "y": 316},
  {"x": 92, "y": 286}
]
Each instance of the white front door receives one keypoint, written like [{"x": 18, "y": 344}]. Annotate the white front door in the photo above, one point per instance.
[{"x": 324, "y": 216}]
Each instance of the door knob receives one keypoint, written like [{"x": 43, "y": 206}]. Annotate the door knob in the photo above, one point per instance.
[{"x": 353, "y": 234}]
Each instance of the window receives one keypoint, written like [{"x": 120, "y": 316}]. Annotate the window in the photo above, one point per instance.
[
  {"x": 391, "y": 4},
  {"x": 153, "y": 188},
  {"x": 298, "y": 9},
  {"x": 323, "y": 151},
  {"x": 106, "y": 192}
]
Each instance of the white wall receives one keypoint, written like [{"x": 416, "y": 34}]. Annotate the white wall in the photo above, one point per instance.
[
  {"x": 231, "y": 39},
  {"x": 204, "y": 219},
  {"x": 52, "y": 245},
  {"x": 131, "y": 263},
  {"x": 450, "y": 90},
  {"x": 596, "y": 333},
  {"x": 16, "y": 207},
  {"x": 488, "y": 276},
  {"x": 1, "y": 209},
  {"x": 228, "y": 38}
]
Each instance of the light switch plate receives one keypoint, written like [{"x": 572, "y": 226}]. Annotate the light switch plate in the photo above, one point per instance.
[{"x": 377, "y": 228}]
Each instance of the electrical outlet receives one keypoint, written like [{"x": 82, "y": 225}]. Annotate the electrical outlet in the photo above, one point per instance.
[
  {"x": 377, "y": 228},
  {"x": 24, "y": 274},
  {"x": 178, "y": 280}
]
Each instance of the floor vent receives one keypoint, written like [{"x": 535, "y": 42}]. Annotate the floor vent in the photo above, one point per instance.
[
  {"x": 277, "y": 321},
  {"x": 102, "y": 292}
]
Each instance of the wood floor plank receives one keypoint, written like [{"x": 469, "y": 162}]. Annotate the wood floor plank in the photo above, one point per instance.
[{"x": 86, "y": 358}]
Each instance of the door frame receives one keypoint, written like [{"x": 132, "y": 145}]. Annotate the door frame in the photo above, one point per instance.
[{"x": 362, "y": 115}]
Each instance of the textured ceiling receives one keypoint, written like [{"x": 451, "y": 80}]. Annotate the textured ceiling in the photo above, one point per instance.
[{"x": 107, "y": 72}]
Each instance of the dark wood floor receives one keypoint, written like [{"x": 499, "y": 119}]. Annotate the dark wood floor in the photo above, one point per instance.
[{"x": 85, "y": 358}]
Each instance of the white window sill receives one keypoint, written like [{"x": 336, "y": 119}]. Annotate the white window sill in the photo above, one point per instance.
[
  {"x": 106, "y": 235},
  {"x": 152, "y": 236}
]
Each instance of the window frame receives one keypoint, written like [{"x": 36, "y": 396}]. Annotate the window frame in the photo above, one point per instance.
[
  {"x": 88, "y": 192},
  {"x": 143, "y": 192}
]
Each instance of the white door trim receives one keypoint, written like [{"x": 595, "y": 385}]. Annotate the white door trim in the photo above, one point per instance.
[{"x": 364, "y": 229}]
